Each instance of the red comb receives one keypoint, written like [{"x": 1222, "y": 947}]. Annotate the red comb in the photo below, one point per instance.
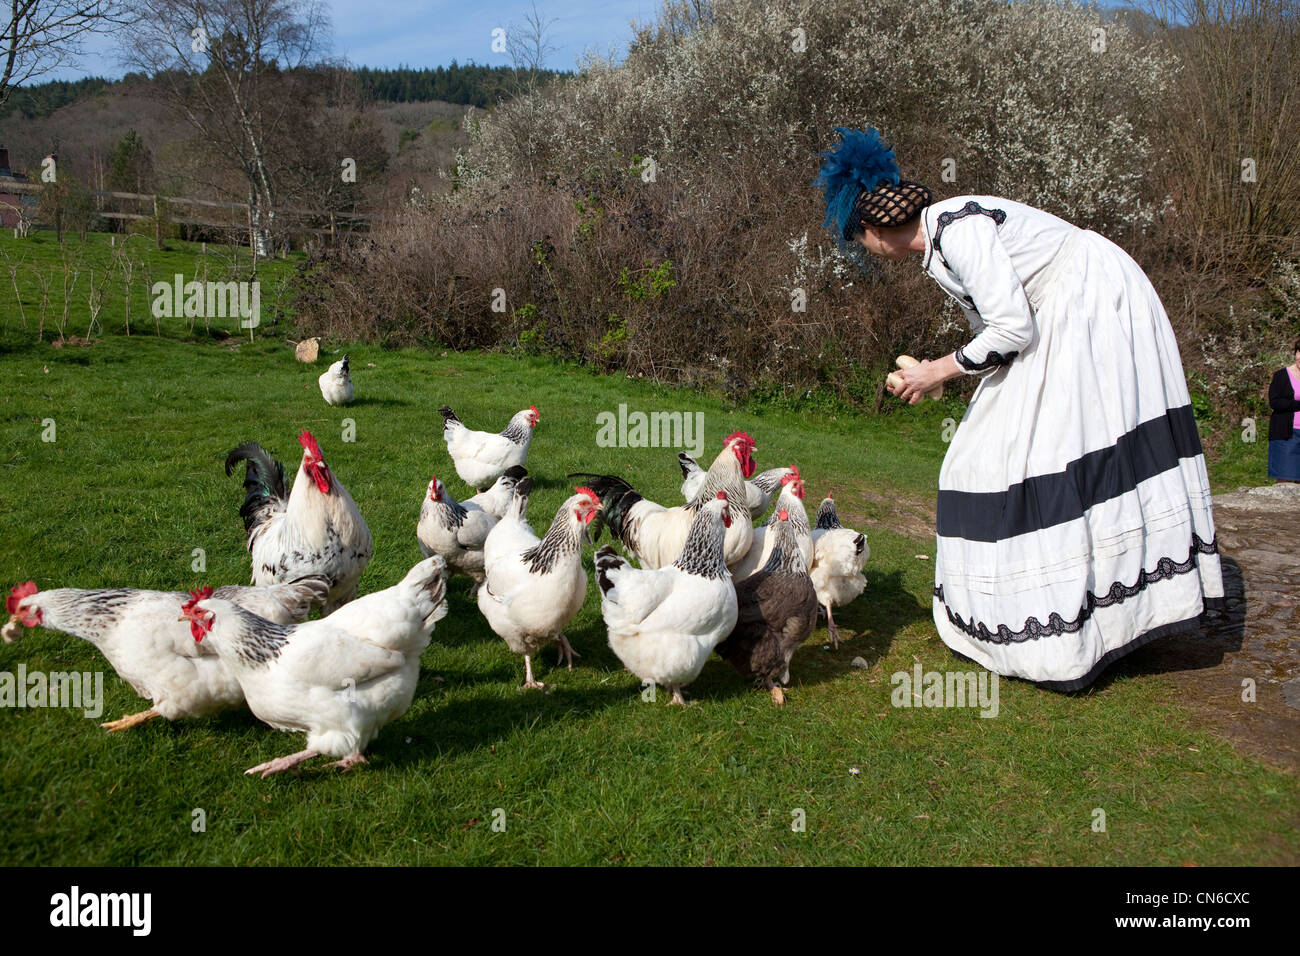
[
  {"x": 783, "y": 514},
  {"x": 197, "y": 595},
  {"x": 309, "y": 443},
  {"x": 722, "y": 495},
  {"x": 533, "y": 409},
  {"x": 735, "y": 435},
  {"x": 584, "y": 490},
  {"x": 17, "y": 593}
]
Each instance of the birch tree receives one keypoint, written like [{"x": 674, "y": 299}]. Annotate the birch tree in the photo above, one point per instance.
[{"x": 226, "y": 67}]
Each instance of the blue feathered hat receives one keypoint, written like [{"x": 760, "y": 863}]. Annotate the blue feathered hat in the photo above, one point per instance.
[{"x": 863, "y": 164}]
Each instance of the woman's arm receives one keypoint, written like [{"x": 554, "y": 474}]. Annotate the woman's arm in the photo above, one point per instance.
[
  {"x": 1280, "y": 396},
  {"x": 973, "y": 251}
]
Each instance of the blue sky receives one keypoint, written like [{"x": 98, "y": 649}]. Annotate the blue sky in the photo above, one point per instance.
[{"x": 434, "y": 32}]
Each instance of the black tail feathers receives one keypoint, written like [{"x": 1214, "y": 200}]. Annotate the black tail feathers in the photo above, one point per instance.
[
  {"x": 616, "y": 498},
  {"x": 263, "y": 480}
]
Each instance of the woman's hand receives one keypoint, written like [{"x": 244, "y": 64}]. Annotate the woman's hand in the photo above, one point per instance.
[{"x": 919, "y": 379}]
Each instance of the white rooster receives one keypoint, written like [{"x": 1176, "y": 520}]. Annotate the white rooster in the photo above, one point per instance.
[
  {"x": 656, "y": 535},
  {"x": 664, "y": 623},
  {"x": 482, "y": 457},
  {"x": 759, "y": 490},
  {"x": 315, "y": 529},
  {"x": 340, "y": 679},
  {"x": 533, "y": 587},
  {"x": 336, "y": 383},
  {"x": 791, "y": 499},
  {"x": 457, "y": 529},
  {"x": 138, "y": 633},
  {"x": 839, "y": 554}
]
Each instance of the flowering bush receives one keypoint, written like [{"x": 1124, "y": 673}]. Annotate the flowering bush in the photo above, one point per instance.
[{"x": 699, "y": 148}]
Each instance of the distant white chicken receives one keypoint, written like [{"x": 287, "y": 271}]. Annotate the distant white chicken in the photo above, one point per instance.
[
  {"x": 839, "y": 554},
  {"x": 340, "y": 679},
  {"x": 759, "y": 490},
  {"x": 533, "y": 586},
  {"x": 791, "y": 499},
  {"x": 482, "y": 457},
  {"x": 655, "y": 535},
  {"x": 336, "y": 383},
  {"x": 664, "y": 623},
  {"x": 138, "y": 633},
  {"x": 457, "y": 529},
  {"x": 315, "y": 529}
]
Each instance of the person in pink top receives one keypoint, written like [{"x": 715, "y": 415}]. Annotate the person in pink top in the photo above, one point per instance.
[{"x": 1284, "y": 423}]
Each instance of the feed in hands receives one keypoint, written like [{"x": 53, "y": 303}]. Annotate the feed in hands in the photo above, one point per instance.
[{"x": 895, "y": 381}]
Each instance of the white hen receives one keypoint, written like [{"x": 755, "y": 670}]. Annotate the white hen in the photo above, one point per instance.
[
  {"x": 533, "y": 587},
  {"x": 339, "y": 680},
  {"x": 656, "y": 535},
  {"x": 664, "y": 623},
  {"x": 760, "y": 551},
  {"x": 138, "y": 633},
  {"x": 482, "y": 457},
  {"x": 759, "y": 490},
  {"x": 336, "y": 383},
  {"x": 457, "y": 530},
  {"x": 839, "y": 554}
]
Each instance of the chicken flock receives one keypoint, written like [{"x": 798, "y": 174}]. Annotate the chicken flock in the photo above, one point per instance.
[{"x": 694, "y": 578}]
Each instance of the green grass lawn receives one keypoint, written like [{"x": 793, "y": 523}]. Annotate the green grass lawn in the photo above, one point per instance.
[{"x": 588, "y": 773}]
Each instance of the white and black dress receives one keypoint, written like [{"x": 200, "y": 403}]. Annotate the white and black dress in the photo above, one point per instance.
[{"x": 1074, "y": 516}]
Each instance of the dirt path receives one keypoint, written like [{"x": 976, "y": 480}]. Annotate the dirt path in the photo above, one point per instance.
[{"x": 1256, "y": 638}]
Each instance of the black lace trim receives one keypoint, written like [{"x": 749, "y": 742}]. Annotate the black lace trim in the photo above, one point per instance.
[
  {"x": 1034, "y": 629},
  {"x": 972, "y": 208},
  {"x": 992, "y": 360}
]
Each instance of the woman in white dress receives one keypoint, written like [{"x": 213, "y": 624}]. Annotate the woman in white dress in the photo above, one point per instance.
[{"x": 1074, "y": 516}]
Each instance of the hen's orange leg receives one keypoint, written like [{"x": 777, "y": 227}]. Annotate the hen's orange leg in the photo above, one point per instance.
[{"x": 131, "y": 720}]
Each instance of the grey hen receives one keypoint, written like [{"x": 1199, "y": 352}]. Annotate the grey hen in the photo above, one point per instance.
[{"x": 777, "y": 612}]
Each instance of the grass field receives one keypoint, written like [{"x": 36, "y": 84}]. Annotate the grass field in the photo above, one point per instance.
[{"x": 588, "y": 773}]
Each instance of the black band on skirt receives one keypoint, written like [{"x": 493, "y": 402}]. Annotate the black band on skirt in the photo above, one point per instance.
[{"x": 1044, "y": 501}]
